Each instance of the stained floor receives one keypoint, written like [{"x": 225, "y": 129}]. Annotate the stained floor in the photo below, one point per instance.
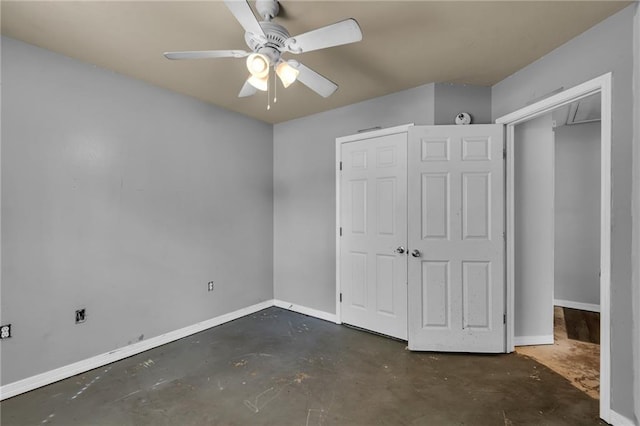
[
  {"x": 277, "y": 367},
  {"x": 576, "y": 358}
]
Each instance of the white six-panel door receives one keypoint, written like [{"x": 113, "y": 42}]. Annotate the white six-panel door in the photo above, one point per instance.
[
  {"x": 438, "y": 195},
  {"x": 373, "y": 217},
  {"x": 456, "y": 241}
]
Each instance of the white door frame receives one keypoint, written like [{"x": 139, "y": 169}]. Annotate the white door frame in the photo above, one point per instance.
[
  {"x": 600, "y": 85},
  {"x": 339, "y": 141}
]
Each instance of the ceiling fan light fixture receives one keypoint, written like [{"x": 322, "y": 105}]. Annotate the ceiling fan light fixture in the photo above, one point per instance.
[
  {"x": 287, "y": 73},
  {"x": 260, "y": 83},
  {"x": 258, "y": 65},
  {"x": 267, "y": 42}
]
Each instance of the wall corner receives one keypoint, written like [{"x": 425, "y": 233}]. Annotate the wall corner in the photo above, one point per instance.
[{"x": 636, "y": 213}]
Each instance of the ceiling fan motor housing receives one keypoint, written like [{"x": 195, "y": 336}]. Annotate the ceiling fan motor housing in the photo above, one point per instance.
[{"x": 276, "y": 38}]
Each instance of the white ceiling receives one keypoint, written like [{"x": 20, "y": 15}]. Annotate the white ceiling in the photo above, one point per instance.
[{"x": 405, "y": 44}]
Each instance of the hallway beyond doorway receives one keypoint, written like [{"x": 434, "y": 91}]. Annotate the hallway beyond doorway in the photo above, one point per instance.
[{"x": 577, "y": 360}]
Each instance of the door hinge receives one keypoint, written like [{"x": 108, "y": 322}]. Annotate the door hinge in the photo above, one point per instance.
[
  {"x": 504, "y": 318},
  {"x": 504, "y": 153},
  {"x": 341, "y": 165},
  {"x": 340, "y": 297},
  {"x": 341, "y": 231}
]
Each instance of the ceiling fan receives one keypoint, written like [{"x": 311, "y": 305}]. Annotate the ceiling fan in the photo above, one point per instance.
[{"x": 268, "y": 41}]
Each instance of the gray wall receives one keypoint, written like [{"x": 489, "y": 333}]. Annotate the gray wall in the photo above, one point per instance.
[
  {"x": 452, "y": 99},
  {"x": 534, "y": 221},
  {"x": 124, "y": 199},
  {"x": 577, "y": 213},
  {"x": 304, "y": 180},
  {"x": 607, "y": 47},
  {"x": 305, "y": 196},
  {"x": 636, "y": 211}
]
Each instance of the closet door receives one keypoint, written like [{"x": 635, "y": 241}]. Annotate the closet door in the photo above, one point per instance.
[
  {"x": 455, "y": 238},
  {"x": 373, "y": 217}
]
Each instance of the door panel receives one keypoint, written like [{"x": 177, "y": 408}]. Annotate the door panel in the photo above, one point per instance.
[
  {"x": 358, "y": 263},
  {"x": 456, "y": 221},
  {"x": 435, "y": 294},
  {"x": 358, "y": 216},
  {"x": 476, "y": 294},
  {"x": 384, "y": 283},
  {"x": 373, "y": 217},
  {"x": 476, "y": 206},
  {"x": 386, "y": 194},
  {"x": 435, "y": 206}
]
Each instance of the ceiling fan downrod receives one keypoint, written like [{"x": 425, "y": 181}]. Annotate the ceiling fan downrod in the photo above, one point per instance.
[{"x": 268, "y": 9}]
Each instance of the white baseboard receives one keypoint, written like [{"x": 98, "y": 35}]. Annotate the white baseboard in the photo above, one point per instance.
[
  {"x": 533, "y": 340},
  {"x": 52, "y": 376},
  {"x": 577, "y": 305},
  {"x": 617, "y": 419},
  {"x": 306, "y": 311},
  {"x": 46, "y": 378}
]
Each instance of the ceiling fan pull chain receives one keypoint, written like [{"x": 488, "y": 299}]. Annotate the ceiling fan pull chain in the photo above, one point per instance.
[
  {"x": 275, "y": 89},
  {"x": 269, "y": 89}
]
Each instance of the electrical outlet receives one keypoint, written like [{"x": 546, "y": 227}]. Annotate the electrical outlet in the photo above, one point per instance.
[
  {"x": 5, "y": 331},
  {"x": 81, "y": 316},
  {"x": 210, "y": 286}
]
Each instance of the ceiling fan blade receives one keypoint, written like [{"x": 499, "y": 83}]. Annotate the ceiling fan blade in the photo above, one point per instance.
[
  {"x": 314, "y": 81},
  {"x": 206, "y": 54},
  {"x": 247, "y": 90},
  {"x": 243, "y": 13},
  {"x": 343, "y": 32}
]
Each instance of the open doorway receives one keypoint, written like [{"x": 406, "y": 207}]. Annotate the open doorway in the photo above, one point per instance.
[
  {"x": 601, "y": 85},
  {"x": 558, "y": 241}
]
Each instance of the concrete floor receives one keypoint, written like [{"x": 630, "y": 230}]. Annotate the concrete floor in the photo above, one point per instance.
[{"x": 280, "y": 368}]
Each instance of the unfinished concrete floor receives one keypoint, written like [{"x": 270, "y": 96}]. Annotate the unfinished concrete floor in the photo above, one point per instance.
[{"x": 280, "y": 368}]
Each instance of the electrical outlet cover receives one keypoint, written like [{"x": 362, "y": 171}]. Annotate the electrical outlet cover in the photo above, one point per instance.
[{"x": 5, "y": 331}]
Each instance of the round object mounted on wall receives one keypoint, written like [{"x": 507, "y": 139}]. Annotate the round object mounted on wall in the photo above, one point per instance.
[{"x": 463, "y": 118}]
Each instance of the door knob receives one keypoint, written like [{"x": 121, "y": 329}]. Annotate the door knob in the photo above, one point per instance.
[
  {"x": 416, "y": 253},
  {"x": 400, "y": 250}
]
